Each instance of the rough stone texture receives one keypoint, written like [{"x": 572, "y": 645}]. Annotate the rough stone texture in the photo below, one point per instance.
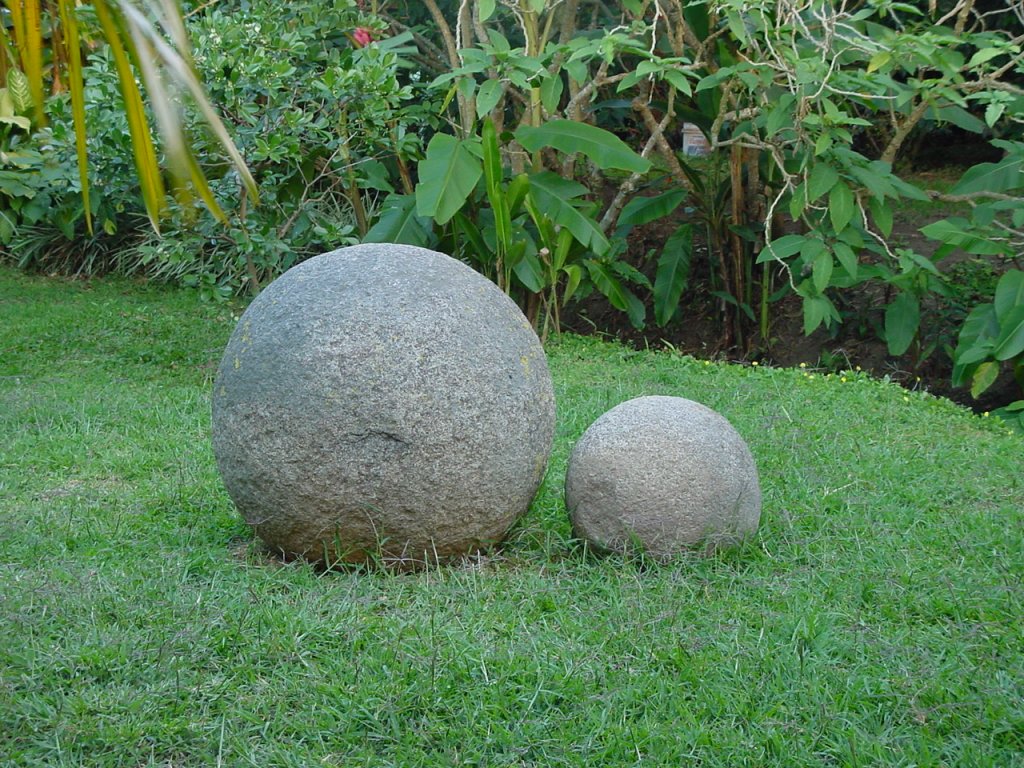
[
  {"x": 662, "y": 474},
  {"x": 382, "y": 400}
]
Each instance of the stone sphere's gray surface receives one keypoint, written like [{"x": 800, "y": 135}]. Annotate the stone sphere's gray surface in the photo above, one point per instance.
[
  {"x": 662, "y": 474},
  {"x": 382, "y": 400}
]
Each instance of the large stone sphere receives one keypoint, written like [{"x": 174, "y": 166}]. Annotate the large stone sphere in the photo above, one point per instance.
[
  {"x": 663, "y": 475},
  {"x": 382, "y": 401}
]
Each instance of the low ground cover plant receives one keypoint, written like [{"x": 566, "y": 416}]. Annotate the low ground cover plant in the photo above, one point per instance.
[{"x": 875, "y": 620}]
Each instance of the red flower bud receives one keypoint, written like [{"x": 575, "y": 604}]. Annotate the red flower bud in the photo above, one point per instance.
[{"x": 362, "y": 36}]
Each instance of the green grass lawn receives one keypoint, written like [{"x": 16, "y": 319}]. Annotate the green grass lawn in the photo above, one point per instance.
[{"x": 878, "y": 619}]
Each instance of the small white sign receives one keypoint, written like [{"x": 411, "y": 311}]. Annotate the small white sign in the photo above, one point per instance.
[{"x": 695, "y": 143}]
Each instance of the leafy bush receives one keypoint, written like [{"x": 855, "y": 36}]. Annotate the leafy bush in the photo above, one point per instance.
[
  {"x": 318, "y": 119},
  {"x": 992, "y": 335}
]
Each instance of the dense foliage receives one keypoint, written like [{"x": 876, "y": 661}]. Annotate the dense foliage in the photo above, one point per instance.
[
  {"x": 532, "y": 138},
  {"x": 314, "y": 114}
]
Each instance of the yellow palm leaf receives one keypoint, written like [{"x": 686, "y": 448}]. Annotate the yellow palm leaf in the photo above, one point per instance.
[
  {"x": 137, "y": 44},
  {"x": 72, "y": 42}
]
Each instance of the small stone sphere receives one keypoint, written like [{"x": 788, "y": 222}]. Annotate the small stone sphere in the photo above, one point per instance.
[
  {"x": 382, "y": 402},
  {"x": 662, "y": 475}
]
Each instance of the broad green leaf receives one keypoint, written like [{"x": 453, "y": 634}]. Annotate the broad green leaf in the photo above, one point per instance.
[
  {"x": 19, "y": 120},
  {"x": 909, "y": 190},
  {"x": 983, "y": 55},
  {"x": 551, "y": 194},
  {"x": 12, "y": 184},
  {"x": 577, "y": 70},
  {"x": 879, "y": 60},
  {"x": 781, "y": 248},
  {"x": 736, "y": 25},
  {"x": 642, "y": 210},
  {"x": 823, "y": 177},
  {"x": 488, "y": 96},
  {"x": 781, "y": 115},
  {"x": 551, "y": 92},
  {"x": 993, "y": 112},
  {"x": 798, "y": 201},
  {"x": 486, "y": 8},
  {"x": 811, "y": 247},
  {"x": 1004, "y": 176},
  {"x": 618, "y": 295},
  {"x": 465, "y": 230},
  {"x": 961, "y": 118},
  {"x": 1009, "y": 293},
  {"x": 984, "y": 377},
  {"x": 516, "y": 191},
  {"x": 628, "y": 272},
  {"x": 448, "y": 173},
  {"x": 673, "y": 273},
  {"x": 530, "y": 272},
  {"x": 563, "y": 244},
  {"x": 902, "y": 318},
  {"x": 373, "y": 174},
  {"x": 981, "y": 323},
  {"x": 817, "y": 309},
  {"x": 876, "y": 178},
  {"x": 847, "y": 258},
  {"x": 603, "y": 148},
  {"x": 821, "y": 272},
  {"x": 955, "y": 232},
  {"x": 975, "y": 354},
  {"x": 493, "y": 177},
  {"x": 881, "y": 212},
  {"x": 698, "y": 17},
  {"x": 574, "y": 274},
  {"x": 18, "y": 87},
  {"x": 26, "y": 18},
  {"x": 841, "y": 206},
  {"x": 678, "y": 80},
  {"x": 1010, "y": 343},
  {"x": 921, "y": 261},
  {"x": 398, "y": 223}
]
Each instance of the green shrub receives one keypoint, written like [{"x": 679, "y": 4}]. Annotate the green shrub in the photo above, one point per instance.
[{"x": 319, "y": 120}]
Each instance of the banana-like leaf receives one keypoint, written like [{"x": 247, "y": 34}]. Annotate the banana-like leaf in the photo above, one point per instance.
[
  {"x": 448, "y": 175},
  {"x": 603, "y": 148},
  {"x": 493, "y": 175},
  {"x": 398, "y": 223},
  {"x": 1010, "y": 343},
  {"x": 1009, "y": 292},
  {"x": 552, "y": 195},
  {"x": 618, "y": 295},
  {"x": 673, "y": 274}
]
